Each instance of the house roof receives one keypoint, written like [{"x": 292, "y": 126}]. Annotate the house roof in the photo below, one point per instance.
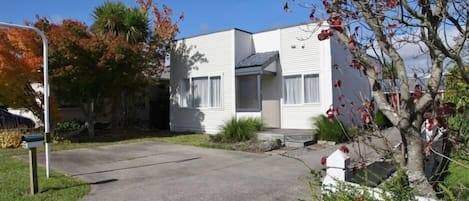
[
  {"x": 388, "y": 85},
  {"x": 258, "y": 63},
  {"x": 249, "y": 32},
  {"x": 258, "y": 59}
]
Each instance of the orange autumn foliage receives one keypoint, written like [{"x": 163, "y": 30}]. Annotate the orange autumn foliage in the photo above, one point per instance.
[{"x": 20, "y": 60}]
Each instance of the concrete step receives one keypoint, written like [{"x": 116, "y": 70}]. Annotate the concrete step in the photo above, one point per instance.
[
  {"x": 288, "y": 137},
  {"x": 298, "y": 143},
  {"x": 298, "y": 137}
]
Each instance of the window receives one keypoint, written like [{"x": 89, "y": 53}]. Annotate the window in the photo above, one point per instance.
[
  {"x": 215, "y": 84},
  {"x": 247, "y": 94},
  {"x": 184, "y": 91},
  {"x": 311, "y": 88},
  {"x": 299, "y": 89},
  {"x": 200, "y": 92},
  {"x": 292, "y": 89}
]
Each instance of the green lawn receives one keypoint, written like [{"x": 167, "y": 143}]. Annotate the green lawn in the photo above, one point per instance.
[
  {"x": 14, "y": 182},
  {"x": 14, "y": 174}
]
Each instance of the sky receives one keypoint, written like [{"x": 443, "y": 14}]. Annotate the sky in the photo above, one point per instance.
[{"x": 201, "y": 16}]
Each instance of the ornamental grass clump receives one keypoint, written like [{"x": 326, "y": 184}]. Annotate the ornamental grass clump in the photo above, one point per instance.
[
  {"x": 330, "y": 129},
  {"x": 240, "y": 130}
]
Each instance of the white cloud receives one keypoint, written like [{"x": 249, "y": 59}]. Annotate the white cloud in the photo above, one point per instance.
[
  {"x": 56, "y": 19},
  {"x": 415, "y": 55}
]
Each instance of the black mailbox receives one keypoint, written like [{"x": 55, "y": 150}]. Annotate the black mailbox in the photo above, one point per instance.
[{"x": 32, "y": 140}]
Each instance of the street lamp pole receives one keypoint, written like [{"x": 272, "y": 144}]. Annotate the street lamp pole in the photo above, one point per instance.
[{"x": 45, "y": 89}]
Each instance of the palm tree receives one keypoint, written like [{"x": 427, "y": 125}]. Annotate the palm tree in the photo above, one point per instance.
[
  {"x": 114, "y": 19},
  {"x": 117, "y": 18}
]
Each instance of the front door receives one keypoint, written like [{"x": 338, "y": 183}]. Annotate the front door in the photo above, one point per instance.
[{"x": 271, "y": 94}]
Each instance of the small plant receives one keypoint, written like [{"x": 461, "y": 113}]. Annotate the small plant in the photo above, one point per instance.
[
  {"x": 398, "y": 188},
  {"x": 68, "y": 125},
  {"x": 381, "y": 120},
  {"x": 257, "y": 123},
  {"x": 64, "y": 131},
  {"x": 10, "y": 139},
  {"x": 239, "y": 130},
  {"x": 216, "y": 138},
  {"x": 330, "y": 129},
  {"x": 395, "y": 189}
]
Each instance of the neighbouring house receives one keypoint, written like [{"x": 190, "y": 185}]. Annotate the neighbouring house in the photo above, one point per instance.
[
  {"x": 285, "y": 76},
  {"x": 417, "y": 86},
  {"x": 152, "y": 111}
]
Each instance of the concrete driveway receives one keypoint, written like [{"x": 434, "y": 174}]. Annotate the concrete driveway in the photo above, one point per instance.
[{"x": 158, "y": 171}]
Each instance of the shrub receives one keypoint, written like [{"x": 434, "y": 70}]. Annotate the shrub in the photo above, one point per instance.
[
  {"x": 216, "y": 138},
  {"x": 239, "y": 130},
  {"x": 329, "y": 130},
  {"x": 64, "y": 131},
  {"x": 68, "y": 125},
  {"x": 381, "y": 120},
  {"x": 395, "y": 188},
  {"x": 257, "y": 123},
  {"x": 10, "y": 139}
]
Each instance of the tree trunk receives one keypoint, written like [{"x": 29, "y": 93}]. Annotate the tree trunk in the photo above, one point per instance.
[
  {"x": 90, "y": 117},
  {"x": 415, "y": 166},
  {"x": 115, "y": 113},
  {"x": 90, "y": 127}
]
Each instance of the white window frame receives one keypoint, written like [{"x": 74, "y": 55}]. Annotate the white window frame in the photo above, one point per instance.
[
  {"x": 181, "y": 100},
  {"x": 302, "y": 89},
  {"x": 318, "y": 87},
  {"x": 191, "y": 93}
]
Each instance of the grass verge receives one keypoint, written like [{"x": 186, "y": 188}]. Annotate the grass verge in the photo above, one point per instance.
[{"x": 14, "y": 182}]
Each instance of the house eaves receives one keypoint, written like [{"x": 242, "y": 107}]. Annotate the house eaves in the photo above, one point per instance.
[{"x": 257, "y": 63}]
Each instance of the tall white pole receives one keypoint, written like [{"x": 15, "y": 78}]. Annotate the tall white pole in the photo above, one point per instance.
[{"x": 45, "y": 89}]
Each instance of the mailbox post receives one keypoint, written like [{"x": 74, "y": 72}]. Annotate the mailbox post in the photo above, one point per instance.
[{"x": 31, "y": 142}]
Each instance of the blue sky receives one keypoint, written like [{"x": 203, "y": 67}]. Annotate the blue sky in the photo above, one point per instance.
[{"x": 201, "y": 16}]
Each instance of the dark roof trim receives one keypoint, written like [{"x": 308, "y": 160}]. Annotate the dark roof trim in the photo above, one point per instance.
[
  {"x": 258, "y": 59},
  {"x": 248, "y": 32},
  {"x": 213, "y": 32},
  {"x": 257, "y": 70},
  {"x": 256, "y": 64}
]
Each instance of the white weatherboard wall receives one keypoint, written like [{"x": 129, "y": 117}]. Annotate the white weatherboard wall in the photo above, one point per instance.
[
  {"x": 267, "y": 41},
  {"x": 243, "y": 45},
  {"x": 206, "y": 55},
  {"x": 302, "y": 53},
  {"x": 355, "y": 84}
]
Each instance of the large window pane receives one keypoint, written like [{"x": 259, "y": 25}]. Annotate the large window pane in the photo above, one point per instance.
[
  {"x": 184, "y": 92},
  {"x": 292, "y": 89},
  {"x": 200, "y": 92},
  {"x": 312, "y": 88},
  {"x": 215, "y": 91},
  {"x": 247, "y": 96}
]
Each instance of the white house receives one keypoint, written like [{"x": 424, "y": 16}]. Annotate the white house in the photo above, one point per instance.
[{"x": 286, "y": 76}]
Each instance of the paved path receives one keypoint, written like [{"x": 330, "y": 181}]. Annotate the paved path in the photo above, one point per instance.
[{"x": 158, "y": 171}]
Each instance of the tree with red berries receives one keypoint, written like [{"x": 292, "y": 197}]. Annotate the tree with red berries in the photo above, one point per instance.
[{"x": 377, "y": 30}]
